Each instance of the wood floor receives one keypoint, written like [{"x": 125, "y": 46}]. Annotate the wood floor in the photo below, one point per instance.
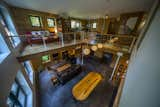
[{"x": 61, "y": 96}]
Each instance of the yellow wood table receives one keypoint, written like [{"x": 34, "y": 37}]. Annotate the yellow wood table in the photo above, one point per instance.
[{"x": 84, "y": 88}]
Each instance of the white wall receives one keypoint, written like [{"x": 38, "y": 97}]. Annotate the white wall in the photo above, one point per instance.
[{"x": 142, "y": 85}]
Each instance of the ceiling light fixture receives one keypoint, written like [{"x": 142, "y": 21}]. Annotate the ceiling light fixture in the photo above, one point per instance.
[
  {"x": 94, "y": 48},
  {"x": 100, "y": 45},
  {"x": 86, "y": 51},
  {"x": 106, "y": 16}
]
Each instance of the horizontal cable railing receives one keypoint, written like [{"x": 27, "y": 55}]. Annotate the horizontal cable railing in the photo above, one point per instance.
[{"x": 44, "y": 42}]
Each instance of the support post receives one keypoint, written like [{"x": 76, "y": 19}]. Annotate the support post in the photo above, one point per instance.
[
  {"x": 62, "y": 40},
  {"x": 119, "y": 54},
  {"x": 82, "y": 56},
  {"x": 44, "y": 42},
  {"x": 74, "y": 38}
]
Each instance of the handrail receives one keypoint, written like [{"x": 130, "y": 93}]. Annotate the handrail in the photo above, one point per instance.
[{"x": 119, "y": 93}]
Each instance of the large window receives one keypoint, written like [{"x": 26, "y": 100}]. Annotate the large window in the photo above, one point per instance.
[
  {"x": 51, "y": 22},
  {"x": 6, "y": 22},
  {"x": 94, "y": 25},
  {"x": 4, "y": 51},
  {"x": 17, "y": 96},
  {"x": 35, "y": 21},
  {"x": 75, "y": 24},
  {"x": 78, "y": 24},
  {"x": 20, "y": 94}
]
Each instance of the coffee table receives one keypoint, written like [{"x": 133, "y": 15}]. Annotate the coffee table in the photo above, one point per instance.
[{"x": 84, "y": 88}]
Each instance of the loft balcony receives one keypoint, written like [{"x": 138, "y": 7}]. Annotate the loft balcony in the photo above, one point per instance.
[{"x": 111, "y": 43}]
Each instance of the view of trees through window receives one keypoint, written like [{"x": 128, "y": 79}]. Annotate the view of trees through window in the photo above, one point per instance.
[
  {"x": 51, "y": 22},
  {"x": 35, "y": 21}
]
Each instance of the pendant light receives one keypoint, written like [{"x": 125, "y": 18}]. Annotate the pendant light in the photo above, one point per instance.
[
  {"x": 86, "y": 51},
  {"x": 100, "y": 45},
  {"x": 94, "y": 48},
  {"x": 106, "y": 16}
]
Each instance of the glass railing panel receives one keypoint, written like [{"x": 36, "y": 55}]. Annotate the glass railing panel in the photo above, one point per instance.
[{"x": 40, "y": 43}]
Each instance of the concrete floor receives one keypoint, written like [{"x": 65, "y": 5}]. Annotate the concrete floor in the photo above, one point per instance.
[{"x": 61, "y": 96}]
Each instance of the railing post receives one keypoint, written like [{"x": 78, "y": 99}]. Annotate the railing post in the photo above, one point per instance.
[
  {"x": 119, "y": 54},
  {"x": 82, "y": 56},
  {"x": 74, "y": 38},
  {"x": 132, "y": 44},
  {"x": 62, "y": 40},
  {"x": 44, "y": 42}
]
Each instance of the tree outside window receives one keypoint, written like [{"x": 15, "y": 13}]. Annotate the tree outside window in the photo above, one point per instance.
[
  {"x": 51, "y": 22},
  {"x": 35, "y": 21}
]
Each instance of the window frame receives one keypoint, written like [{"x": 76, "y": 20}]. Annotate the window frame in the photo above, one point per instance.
[
  {"x": 10, "y": 30},
  {"x": 39, "y": 18},
  {"x": 53, "y": 22},
  {"x": 19, "y": 88},
  {"x": 29, "y": 70}
]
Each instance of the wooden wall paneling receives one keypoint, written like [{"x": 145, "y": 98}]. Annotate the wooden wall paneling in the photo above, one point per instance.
[{"x": 22, "y": 21}]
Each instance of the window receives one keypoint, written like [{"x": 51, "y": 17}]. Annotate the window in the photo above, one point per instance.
[
  {"x": 78, "y": 24},
  {"x": 20, "y": 94},
  {"x": 55, "y": 56},
  {"x": 45, "y": 58},
  {"x": 35, "y": 21},
  {"x": 51, "y": 22},
  {"x": 94, "y": 26},
  {"x": 17, "y": 96},
  {"x": 75, "y": 24},
  {"x": 29, "y": 70},
  {"x": 7, "y": 23},
  {"x": 4, "y": 51}
]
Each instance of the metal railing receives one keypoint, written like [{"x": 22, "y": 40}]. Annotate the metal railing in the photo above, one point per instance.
[{"x": 42, "y": 42}]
